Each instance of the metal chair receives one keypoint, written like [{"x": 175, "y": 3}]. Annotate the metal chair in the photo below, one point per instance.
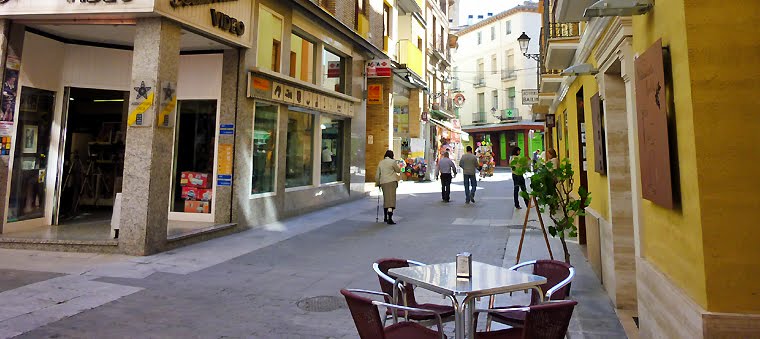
[
  {"x": 545, "y": 321},
  {"x": 370, "y": 326},
  {"x": 382, "y": 266},
  {"x": 558, "y": 276}
]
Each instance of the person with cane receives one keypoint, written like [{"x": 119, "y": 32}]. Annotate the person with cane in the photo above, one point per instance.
[{"x": 387, "y": 178}]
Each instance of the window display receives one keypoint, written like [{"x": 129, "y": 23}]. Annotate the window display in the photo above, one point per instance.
[
  {"x": 194, "y": 156},
  {"x": 332, "y": 149},
  {"x": 264, "y": 148},
  {"x": 300, "y": 149}
]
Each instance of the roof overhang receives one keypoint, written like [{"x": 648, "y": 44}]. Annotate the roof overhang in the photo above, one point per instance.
[
  {"x": 571, "y": 10},
  {"x": 560, "y": 52}
]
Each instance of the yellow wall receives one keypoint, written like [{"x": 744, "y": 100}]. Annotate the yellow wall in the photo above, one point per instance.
[
  {"x": 723, "y": 55},
  {"x": 270, "y": 27},
  {"x": 597, "y": 184},
  {"x": 671, "y": 240}
]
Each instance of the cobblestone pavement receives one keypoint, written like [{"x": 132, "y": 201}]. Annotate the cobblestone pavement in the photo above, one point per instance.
[{"x": 250, "y": 285}]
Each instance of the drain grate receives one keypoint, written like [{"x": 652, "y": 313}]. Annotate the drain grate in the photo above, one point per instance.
[{"x": 323, "y": 303}]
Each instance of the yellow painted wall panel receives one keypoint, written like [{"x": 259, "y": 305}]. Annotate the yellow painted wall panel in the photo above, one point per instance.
[
  {"x": 672, "y": 240},
  {"x": 723, "y": 49}
]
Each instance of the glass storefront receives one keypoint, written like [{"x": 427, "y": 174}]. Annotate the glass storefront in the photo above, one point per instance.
[
  {"x": 194, "y": 156},
  {"x": 332, "y": 149},
  {"x": 300, "y": 148},
  {"x": 30, "y": 158},
  {"x": 264, "y": 148}
]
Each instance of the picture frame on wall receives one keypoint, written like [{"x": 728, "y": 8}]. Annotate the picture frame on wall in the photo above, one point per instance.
[
  {"x": 28, "y": 103},
  {"x": 28, "y": 163},
  {"x": 29, "y": 141}
]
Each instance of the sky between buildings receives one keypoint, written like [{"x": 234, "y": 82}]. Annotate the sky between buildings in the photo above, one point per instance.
[{"x": 483, "y": 7}]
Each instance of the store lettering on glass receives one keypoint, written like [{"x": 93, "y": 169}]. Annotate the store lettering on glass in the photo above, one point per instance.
[{"x": 227, "y": 23}]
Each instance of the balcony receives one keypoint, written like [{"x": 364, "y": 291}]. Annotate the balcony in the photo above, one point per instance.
[
  {"x": 479, "y": 118},
  {"x": 411, "y": 56},
  {"x": 562, "y": 41},
  {"x": 480, "y": 81},
  {"x": 508, "y": 74},
  {"x": 571, "y": 10},
  {"x": 546, "y": 99},
  {"x": 411, "y": 6},
  {"x": 551, "y": 80}
]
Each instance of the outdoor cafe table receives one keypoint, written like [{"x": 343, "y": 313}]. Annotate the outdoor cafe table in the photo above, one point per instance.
[{"x": 485, "y": 280}]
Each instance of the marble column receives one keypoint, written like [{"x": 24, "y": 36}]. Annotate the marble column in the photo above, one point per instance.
[
  {"x": 228, "y": 109},
  {"x": 148, "y": 157}
]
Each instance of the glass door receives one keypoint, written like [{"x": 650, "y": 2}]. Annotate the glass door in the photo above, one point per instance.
[
  {"x": 194, "y": 159},
  {"x": 30, "y": 156}
]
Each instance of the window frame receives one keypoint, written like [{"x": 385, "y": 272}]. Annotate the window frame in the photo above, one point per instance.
[
  {"x": 343, "y": 82},
  {"x": 295, "y": 30},
  {"x": 493, "y": 33},
  {"x": 282, "y": 35},
  {"x": 508, "y": 23},
  {"x": 480, "y": 38},
  {"x": 318, "y": 140},
  {"x": 276, "y": 147},
  {"x": 315, "y": 160}
]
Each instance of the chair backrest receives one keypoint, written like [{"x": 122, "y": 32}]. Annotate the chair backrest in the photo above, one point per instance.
[
  {"x": 548, "y": 320},
  {"x": 366, "y": 316},
  {"x": 554, "y": 271},
  {"x": 386, "y": 264}
]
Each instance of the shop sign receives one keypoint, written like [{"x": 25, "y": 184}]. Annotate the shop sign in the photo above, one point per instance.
[
  {"x": 227, "y": 23},
  {"x": 375, "y": 95},
  {"x": 224, "y": 165},
  {"x": 261, "y": 88},
  {"x": 379, "y": 68},
  {"x": 424, "y": 116},
  {"x": 140, "y": 103},
  {"x": 459, "y": 100},
  {"x": 333, "y": 69},
  {"x": 550, "y": 121},
  {"x": 167, "y": 105},
  {"x": 226, "y": 129},
  {"x": 529, "y": 96},
  {"x": 183, "y": 3}
]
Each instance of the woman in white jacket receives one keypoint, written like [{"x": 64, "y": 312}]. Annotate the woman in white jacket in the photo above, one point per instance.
[{"x": 387, "y": 178}]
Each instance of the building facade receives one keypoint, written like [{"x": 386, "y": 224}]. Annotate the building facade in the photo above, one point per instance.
[
  {"x": 178, "y": 120},
  {"x": 491, "y": 73},
  {"x": 669, "y": 229}
]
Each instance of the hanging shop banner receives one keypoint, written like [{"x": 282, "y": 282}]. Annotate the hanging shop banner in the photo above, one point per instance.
[
  {"x": 379, "y": 68},
  {"x": 529, "y": 96},
  {"x": 141, "y": 103},
  {"x": 375, "y": 95},
  {"x": 260, "y": 87},
  {"x": 224, "y": 165},
  {"x": 333, "y": 69},
  {"x": 167, "y": 104}
]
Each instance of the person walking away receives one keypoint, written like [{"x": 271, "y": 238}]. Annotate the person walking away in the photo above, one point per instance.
[
  {"x": 327, "y": 158},
  {"x": 553, "y": 158},
  {"x": 387, "y": 178},
  {"x": 446, "y": 171},
  {"x": 469, "y": 164},
  {"x": 518, "y": 178}
]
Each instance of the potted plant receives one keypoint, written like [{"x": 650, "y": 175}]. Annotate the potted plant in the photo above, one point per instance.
[{"x": 553, "y": 188}]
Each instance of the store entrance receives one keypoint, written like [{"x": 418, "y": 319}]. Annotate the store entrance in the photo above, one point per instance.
[{"x": 95, "y": 130}]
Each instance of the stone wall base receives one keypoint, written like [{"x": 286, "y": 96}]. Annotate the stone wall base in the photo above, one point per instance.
[{"x": 665, "y": 311}]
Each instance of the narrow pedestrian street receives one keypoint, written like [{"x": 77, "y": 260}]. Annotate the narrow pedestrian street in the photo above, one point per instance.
[{"x": 281, "y": 280}]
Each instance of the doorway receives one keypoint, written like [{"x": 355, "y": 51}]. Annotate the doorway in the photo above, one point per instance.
[
  {"x": 93, "y": 158},
  {"x": 582, "y": 170}
]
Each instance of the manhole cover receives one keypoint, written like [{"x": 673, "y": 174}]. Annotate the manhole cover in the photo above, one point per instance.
[{"x": 321, "y": 304}]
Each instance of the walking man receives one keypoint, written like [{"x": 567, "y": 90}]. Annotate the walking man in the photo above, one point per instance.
[
  {"x": 446, "y": 170},
  {"x": 469, "y": 164}
]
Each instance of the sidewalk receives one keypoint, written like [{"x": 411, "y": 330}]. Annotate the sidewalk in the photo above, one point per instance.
[{"x": 277, "y": 281}]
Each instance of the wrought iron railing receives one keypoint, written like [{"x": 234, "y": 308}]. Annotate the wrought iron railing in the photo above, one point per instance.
[
  {"x": 508, "y": 74},
  {"x": 480, "y": 81},
  {"x": 510, "y": 114},
  {"x": 479, "y": 117},
  {"x": 563, "y": 30}
]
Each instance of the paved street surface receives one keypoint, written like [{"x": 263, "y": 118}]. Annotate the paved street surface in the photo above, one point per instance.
[{"x": 257, "y": 284}]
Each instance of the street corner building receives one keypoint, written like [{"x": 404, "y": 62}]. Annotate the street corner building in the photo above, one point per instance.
[
  {"x": 641, "y": 98},
  {"x": 139, "y": 126}
]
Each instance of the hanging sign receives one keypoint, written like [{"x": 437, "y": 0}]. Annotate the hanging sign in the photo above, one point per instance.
[
  {"x": 529, "y": 96},
  {"x": 379, "y": 68},
  {"x": 140, "y": 103},
  {"x": 333, "y": 69},
  {"x": 459, "y": 100},
  {"x": 167, "y": 104}
]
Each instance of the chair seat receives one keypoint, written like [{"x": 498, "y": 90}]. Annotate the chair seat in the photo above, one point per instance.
[
  {"x": 410, "y": 330},
  {"x": 443, "y": 310},
  {"x": 513, "y": 317},
  {"x": 512, "y": 333}
]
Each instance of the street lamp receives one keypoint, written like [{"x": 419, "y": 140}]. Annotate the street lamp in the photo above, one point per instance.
[{"x": 524, "y": 41}]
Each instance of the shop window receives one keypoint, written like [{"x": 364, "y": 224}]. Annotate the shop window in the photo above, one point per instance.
[
  {"x": 300, "y": 149},
  {"x": 264, "y": 148},
  {"x": 28, "y": 180},
  {"x": 302, "y": 58},
  {"x": 194, "y": 156},
  {"x": 332, "y": 149},
  {"x": 269, "y": 54},
  {"x": 333, "y": 71}
]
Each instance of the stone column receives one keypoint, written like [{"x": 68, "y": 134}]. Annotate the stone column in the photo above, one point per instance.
[
  {"x": 227, "y": 114},
  {"x": 148, "y": 160}
]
